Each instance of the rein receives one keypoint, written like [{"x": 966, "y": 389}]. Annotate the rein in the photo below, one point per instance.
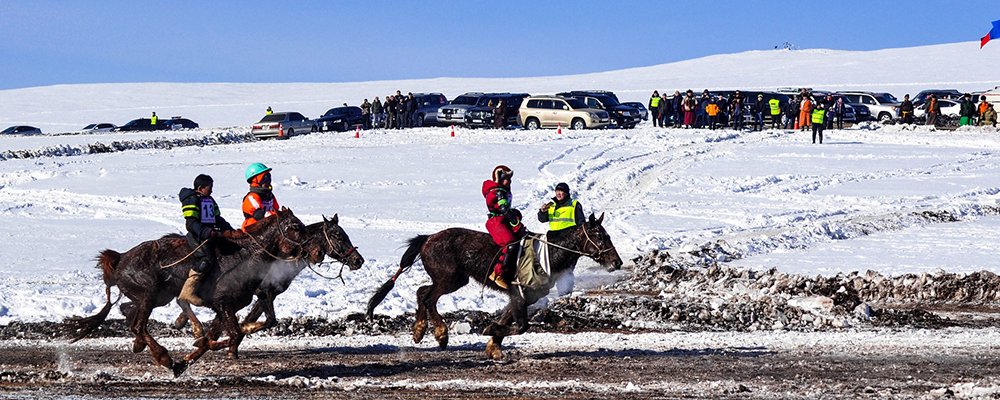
[
  {"x": 596, "y": 253},
  {"x": 174, "y": 264},
  {"x": 259, "y": 244}
]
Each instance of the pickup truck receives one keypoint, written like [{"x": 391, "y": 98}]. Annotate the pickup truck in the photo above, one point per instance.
[{"x": 282, "y": 125}]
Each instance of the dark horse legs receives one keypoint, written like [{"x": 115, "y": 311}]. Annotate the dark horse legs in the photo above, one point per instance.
[
  {"x": 140, "y": 320},
  {"x": 427, "y": 298}
]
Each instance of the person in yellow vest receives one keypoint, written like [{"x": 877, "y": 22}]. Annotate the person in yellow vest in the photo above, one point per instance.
[
  {"x": 269, "y": 111},
  {"x": 654, "y": 107},
  {"x": 562, "y": 212},
  {"x": 818, "y": 117},
  {"x": 775, "y": 106},
  {"x": 153, "y": 119}
]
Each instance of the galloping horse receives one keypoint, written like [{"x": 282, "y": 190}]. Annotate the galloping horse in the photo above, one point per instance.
[
  {"x": 452, "y": 256},
  {"x": 324, "y": 238},
  {"x": 245, "y": 258}
]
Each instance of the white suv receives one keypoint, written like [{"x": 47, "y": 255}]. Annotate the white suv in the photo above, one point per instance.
[
  {"x": 883, "y": 106},
  {"x": 552, "y": 111}
]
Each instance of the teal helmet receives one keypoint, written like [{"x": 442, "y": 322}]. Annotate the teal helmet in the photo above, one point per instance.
[{"x": 256, "y": 169}]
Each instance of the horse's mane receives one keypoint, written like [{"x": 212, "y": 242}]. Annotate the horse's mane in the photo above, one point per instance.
[{"x": 171, "y": 236}]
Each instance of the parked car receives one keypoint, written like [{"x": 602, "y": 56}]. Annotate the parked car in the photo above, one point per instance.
[
  {"x": 883, "y": 106},
  {"x": 282, "y": 125},
  {"x": 454, "y": 112},
  {"x": 639, "y": 106},
  {"x": 941, "y": 94},
  {"x": 101, "y": 127},
  {"x": 552, "y": 111},
  {"x": 175, "y": 123},
  {"x": 621, "y": 115},
  {"x": 21, "y": 130},
  {"x": 427, "y": 108},
  {"x": 142, "y": 124},
  {"x": 481, "y": 115},
  {"x": 340, "y": 119},
  {"x": 949, "y": 109}
]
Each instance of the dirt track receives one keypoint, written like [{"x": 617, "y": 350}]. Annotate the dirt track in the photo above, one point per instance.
[{"x": 873, "y": 364}]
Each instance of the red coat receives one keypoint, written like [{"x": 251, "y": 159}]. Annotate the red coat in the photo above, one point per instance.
[{"x": 497, "y": 225}]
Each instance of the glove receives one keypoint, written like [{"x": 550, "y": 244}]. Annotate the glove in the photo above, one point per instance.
[
  {"x": 546, "y": 206},
  {"x": 214, "y": 233},
  {"x": 503, "y": 206}
]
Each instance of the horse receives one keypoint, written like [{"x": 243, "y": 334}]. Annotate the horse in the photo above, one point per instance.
[
  {"x": 325, "y": 238},
  {"x": 452, "y": 256},
  {"x": 245, "y": 258}
]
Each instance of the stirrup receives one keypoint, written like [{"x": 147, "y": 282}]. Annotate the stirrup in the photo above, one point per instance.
[{"x": 498, "y": 280}]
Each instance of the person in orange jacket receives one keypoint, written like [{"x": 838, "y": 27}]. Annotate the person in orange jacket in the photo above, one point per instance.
[
  {"x": 260, "y": 202},
  {"x": 805, "y": 112},
  {"x": 713, "y": 113}
]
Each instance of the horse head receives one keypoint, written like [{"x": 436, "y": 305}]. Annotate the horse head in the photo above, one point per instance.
[
  {"x": 337, "y": 244},
  {"x": 597, "y": 244},
  {"x": 282, "y": 232}
]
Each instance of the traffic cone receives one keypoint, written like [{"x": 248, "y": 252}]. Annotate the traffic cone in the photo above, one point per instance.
[
  {"x": 357, "y": 131},
  {"x": 796, "y": 124},
  {"x": 559, "y": 128},
  {"x": 453, "y": 131}
]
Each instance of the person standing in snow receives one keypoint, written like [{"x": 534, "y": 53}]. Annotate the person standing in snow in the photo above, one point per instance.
[
  {"x": 204, "y": 224},
  {"x": 500, "y": 114},
  {"x": 665, "y": 110},
  {"x": 967, "y": 111},
  {"x": 689, "y": 109},
  {"x": 933, "y": 110},
  {"x": 712, "y": 109},
  {"x": 504, "y": 223},
  {"x": 818, "y": 117},
  {"x": 677, "y": 104},
  {"x": 906, "y": 110},
  {"x": 377, "y": 114},
  {"x": 983, "y": 105},
  {"x": 153, "y": 119},
  {"x": 701, "y": 113},
  {"x": 989, "y": 117},
  {"x": 259, "y": 202},
  {"x": 838, "y": 111},
  {"x": 774, "y": 106},
  {"x": 366, "y": 114},
  {"x": 736, "y": 110},
  {"x": 411, "y": 110},
  {"x": 654, "y": 107},
  {"x": 563, "y": 212},
  {"x": 759, "y": 108},
  {"x": 805, "y": 112},
  {"x": 792, "y": 112}
]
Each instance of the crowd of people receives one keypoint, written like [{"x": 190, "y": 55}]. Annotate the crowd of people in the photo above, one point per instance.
[{"x": 398, "y": 111}]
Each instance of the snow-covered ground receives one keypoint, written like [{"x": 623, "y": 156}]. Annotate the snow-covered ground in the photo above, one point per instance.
[{"x": 780, "y": 200}]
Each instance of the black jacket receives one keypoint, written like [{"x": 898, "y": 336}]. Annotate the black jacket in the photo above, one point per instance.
[
  {"x": 543, "y": 215},
  {"x": 191, "y": 205},
  {"x": 906, "y": 106}
]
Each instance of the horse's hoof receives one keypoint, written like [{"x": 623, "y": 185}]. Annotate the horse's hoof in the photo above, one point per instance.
[
  {"x": 179, "y": 368},
  {"x": 441, "y": 334},
  {"x": 443, "y": 342},
  {"x": 138, "y": 347},
  {"x": 493, "y": 351},
  {"x": 419, "y": 329}
]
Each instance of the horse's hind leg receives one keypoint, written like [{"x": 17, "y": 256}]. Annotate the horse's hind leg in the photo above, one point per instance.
[
  {"x": 264, "y": 305},
  {"x": 188, "y": 314},
  {"x": 160, "y": 355},
  {"x": 128, "y": 310},
  {"x": 441, "y": 289},
  {"x": 420, "y": 324}
]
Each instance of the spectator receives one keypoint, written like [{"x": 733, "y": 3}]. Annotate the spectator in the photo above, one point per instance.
[
  {"x": 366, "y": 114},
  {"x": 989, "y": 117},
  {"x": 689, "y": 107},
  {"x": 677, "y": 105},
  {"x": 792, "y": 112},
  {"x": 390, "y": 112},
  {"x": 906, "y": 110},
  {"x": 759, "y": 108},
  {"x": 818, "y": 115},
  {"x": 805, "y": 111},
  {"x": 377, "y": 115},
  {"x": 500, "y": 114},
  {"x": 736, "y": 110},
  {"x": 967, "y": 111},
  {"x": 838, "y": 112},
  {"x": 983, "y": 105},
  {"x": 774, "y": 106},
  {"x": 411, "y": 110},
  {"x": 400, "y": 110},
  {"x": 269, "y": 111},
  {"x": 933, "y": 110},
  {"x": 654, "y": 107},
  {"x": 712, "y": 109},
  {"x": 701, "y": 113}
]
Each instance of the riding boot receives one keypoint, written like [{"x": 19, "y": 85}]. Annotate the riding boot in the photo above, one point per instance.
[
  {"x": 511, "y": 261},
  {"x": 504, "y": 265},
  {"x": 189, "y": 292}
]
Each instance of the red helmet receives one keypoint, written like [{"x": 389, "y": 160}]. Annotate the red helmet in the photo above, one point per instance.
[{"x": 501, "y": 172}]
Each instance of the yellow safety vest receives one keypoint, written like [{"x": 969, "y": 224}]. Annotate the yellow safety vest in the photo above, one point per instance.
[
  {"x": 818, "y": 116},
  {"x": 654, "y": 101},
  {"x": 562, "y": 217},
  {"x": 152, "y": 120},
  {"x": 775, "y": 106}
]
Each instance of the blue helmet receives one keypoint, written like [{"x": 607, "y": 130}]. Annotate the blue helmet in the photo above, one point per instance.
[{"x": 256, "y": 169}]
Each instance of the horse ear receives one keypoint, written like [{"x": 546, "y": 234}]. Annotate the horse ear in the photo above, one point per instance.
[
  {"x": 324, "y": 218},
  {"x": 601, "y": 219},
  {"x": 591, "y": 218},
  {"x": 336, "y": 219}
]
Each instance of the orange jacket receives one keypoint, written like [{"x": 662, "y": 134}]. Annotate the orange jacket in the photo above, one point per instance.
[
  {"x": 983, "y": 106},
  {"x": 255, "y": 209},
  {"x": 712, "y": 109}
]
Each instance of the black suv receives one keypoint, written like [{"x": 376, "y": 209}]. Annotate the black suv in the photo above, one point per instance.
[
  {"x": 941, "y": 94},
  {"x": 427, "y": 108},
  {"x": 623, "y": 116},
  {"x": 481, "y": 114},
  {"x": 142, "y": 124},
  {"x": 340, "y": 119},
  {"x": 180, "y": 123}
]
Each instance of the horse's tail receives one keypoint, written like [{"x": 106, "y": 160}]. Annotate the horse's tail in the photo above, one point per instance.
[
  {"x": 409, "y": 257},
  {"x": 79, "y": 327}
]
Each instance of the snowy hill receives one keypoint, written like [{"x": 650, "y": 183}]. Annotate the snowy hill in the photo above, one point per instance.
[{"x": 961, "y": 66}]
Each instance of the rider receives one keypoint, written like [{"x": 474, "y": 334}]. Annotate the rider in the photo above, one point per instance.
[
  {"x": 561, "y": 213},
  {"x": 504, "y": 223},
  {"x": 204, "y": 223},
  {"x": 260, "y": 202}
]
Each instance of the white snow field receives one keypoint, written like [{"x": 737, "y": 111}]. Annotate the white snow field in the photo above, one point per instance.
[{"x": 773, "y": 196}]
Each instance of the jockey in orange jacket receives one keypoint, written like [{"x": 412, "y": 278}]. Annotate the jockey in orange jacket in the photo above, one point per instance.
[
  {"x": 260, "y": 202},
  {"x": 504, "y": 223}
]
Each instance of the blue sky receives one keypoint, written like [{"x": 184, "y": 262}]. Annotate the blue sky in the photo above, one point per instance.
[{"x": 57, "y": 42}]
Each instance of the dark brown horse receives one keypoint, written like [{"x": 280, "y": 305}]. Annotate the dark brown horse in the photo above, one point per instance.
[
  {"x": 152, "y": 274},
  {"x": 452, "y": 256},
  {"x": 325, "y": 238}
]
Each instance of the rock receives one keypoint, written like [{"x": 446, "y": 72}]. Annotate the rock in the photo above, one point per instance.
[{"x": 863, "y": 311}]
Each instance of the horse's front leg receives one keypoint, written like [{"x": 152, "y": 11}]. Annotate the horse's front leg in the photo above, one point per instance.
[{"x": 187, "y": 314}]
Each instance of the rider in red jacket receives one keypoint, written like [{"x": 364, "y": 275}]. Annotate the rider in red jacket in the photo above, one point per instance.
[{"x": 504, "y": 223}]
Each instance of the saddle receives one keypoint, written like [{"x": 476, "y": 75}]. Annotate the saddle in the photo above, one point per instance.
[{"x": 533, "y": 269}]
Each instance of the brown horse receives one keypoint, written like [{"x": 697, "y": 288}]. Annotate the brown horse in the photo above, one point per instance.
[
  {"x": 245, "y": 258},
  {"x": 323, "y": 239},
  {"x": 452, "y": 256}
]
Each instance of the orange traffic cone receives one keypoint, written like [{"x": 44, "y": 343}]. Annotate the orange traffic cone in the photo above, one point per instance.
[
  {"x": 559, "y": 128},
  {"x": 453, "y": 131},
  {"x": 357, "y": 131},
  {"x": 796, "y": 124}
]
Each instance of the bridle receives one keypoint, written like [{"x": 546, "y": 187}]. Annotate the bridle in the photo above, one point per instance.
[
  {"x": 597, "y": 252},
  {"x": 342, "y": 257},
  {"x": 284, "y": 236}
]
